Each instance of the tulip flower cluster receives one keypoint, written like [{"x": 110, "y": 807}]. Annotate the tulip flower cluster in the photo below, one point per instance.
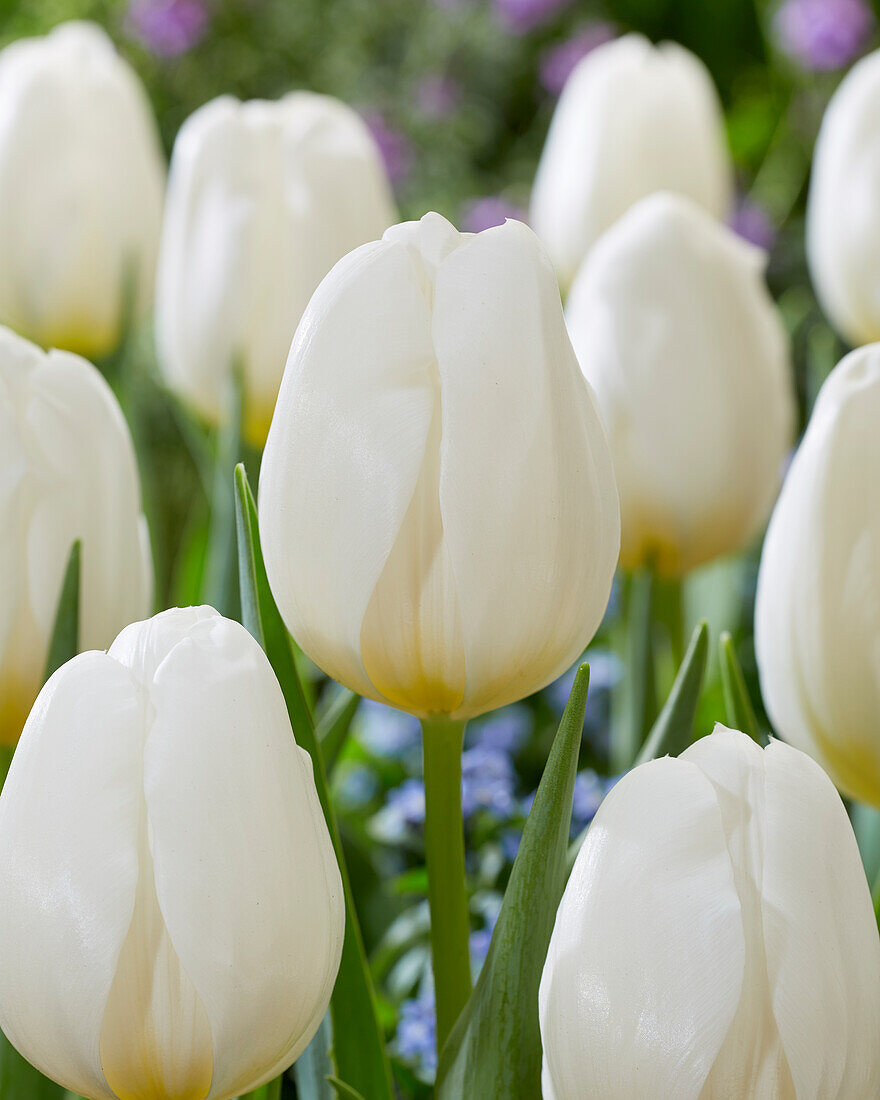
[{"x": 454, "y": 467}]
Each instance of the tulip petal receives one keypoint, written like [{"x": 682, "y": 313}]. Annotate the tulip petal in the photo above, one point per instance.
[
  {"x": 646, "y": 963},
  {"x": 351, "y": 427},
  {"x": 63, "y": 920},
  {"x": 823, "y": 953},
  {"x": 240, "y": 846},
  {"x": 526, "y": 482}
]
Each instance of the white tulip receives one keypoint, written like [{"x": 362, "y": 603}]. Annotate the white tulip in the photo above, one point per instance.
[
  {"x": 716, "y": 939},
  {"x": 263, "y": 199},
  {"x": 170, "y": 906},
  {"x": 67, "y": 472},
  {"x": 81, "y": 183},
  {"x": 674, "y": 327},
  {"x": 817, "y": 614},
  {"x": 632, "y": 119},
  {"x": 843, "y": 218},
  {"x": 437, "y": 503}
]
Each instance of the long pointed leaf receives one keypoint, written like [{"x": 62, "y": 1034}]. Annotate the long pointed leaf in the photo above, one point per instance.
[
  {"x": 334, "y": 726},
  {"x": 495, "y": 1047},
  {"x": 220, "y": 579},
  {"x": 315, "y": 1065},
  {"x": 345, "y": 1092},
  {"x": 64, "y": 640},
  {"x": 674, "y": 728},
  {"x": 358, "y": 1042},
  {"x": 737, "y": 704}
]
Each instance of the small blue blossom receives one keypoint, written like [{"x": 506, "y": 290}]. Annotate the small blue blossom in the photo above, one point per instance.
[
  {"x": 488, "y": 782},
  {"x": 589, "y": 790},
  {"x": 510, "y": 841},
  {"x": 403, "y": 812},
  {"x": 824, "y": 35},
  {"x": 417, "y": 1032},
  {"x": 505, "y": 730},
  {"x": 386, "y": 731},
  {"x": 358, "y": 786}
]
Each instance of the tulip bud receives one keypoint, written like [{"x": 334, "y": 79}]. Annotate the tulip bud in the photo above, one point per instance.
[
  {"x": 817, "y": 627},
  {"x": 843, "y": 221},
  {"x": 437, "y": 503},
  {"x": 263, "y": 199},
  {"x": 632, "y": 119},
  {"x": 673, "y": 326},
  {"x": 170, "y": 906},
  {"x": 716, "y": 938},
  {"x": 81, "y": 183},
  {"x": 67, "y": 472}
]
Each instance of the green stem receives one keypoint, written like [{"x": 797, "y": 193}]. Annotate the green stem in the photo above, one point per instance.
[
  {"x": 220, "y": 581},
  {"x": 442, "y": 741},
  {"x": 637, "y": 707},
  {"x": 669, "y": 612},
  {"x": 271, "y": 1091}
]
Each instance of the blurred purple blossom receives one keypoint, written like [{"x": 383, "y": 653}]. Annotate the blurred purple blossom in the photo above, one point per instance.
[
  {"x": 589, "y": 790},
  {"x": 558, "y": 62},
  {"x": 505, "y": 730},
  {"x": 395, "y": 147},
  {"x": 752, "y": 222},
  {"x": 438, "y": 96},
  {"x": 386, "y": 731},
  {"x": 168, "y": 27},
  {"x": 488, "y": 782},
  {"x": 605, "y": 671},
  {"x": 417, "y": 1032},
  {"x": 479, "y": 942},
  {"x": 823, "y": 35},
  {"x": 522, "y": 16},
  {"x": 485, "y": 213}
]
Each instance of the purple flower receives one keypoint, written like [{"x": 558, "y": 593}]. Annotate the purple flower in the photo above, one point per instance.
[
  {"x": 485, "y": 213},
  {"x": 823, "y": 34},
  {"x": 752, "y": 222},
  {"x": 394, "y": 147},
  {"x": 589, "y": 790},
  {"x": 606, "y": 669},
  {"x": 505, "y": 731},
  {"x": 438, "y": 96},
  {"x": 488, "y": 781},
  {"x": 168, "y": 27},
  {"x": 479, "y": 942},
  {"x": 417, "y": 1032},
  {"x": 386, "y": 731},
  {"x": 522, "y": 16},
  {"x": 558, "y": 62}
]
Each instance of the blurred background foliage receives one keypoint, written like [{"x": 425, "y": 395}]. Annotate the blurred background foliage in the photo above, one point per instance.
[{"x": 459, "y": 94}]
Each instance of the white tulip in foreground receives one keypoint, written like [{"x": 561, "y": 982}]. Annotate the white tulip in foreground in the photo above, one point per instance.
[
  {"x": 817, "y": 615},
  {"x": 263, "y": 199},
  {"x": 81, "y": 183},
  {"x": 843, "y": 216},
  {"x": 437, "y": 504},
  {"x": 67, "y": 472},
  {"x": 170, "y": 906},
  {"x": 674, "y": 327},
  {"x": 716, "y": 939},
  {"x": 632, "y": 119}
]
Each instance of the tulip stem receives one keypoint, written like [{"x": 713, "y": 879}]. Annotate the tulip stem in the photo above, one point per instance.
[
  {"x": 638, "y": 702},
  {"x": 442, "y": 741}
]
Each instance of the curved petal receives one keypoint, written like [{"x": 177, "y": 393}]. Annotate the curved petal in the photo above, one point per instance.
[
  {"x": 350, "y": 428},
  {"x": 527, "y": 491},
  {"x": 69, "y": 866},
  {"x": 823, "y": 953},
  {"x": 240, "y": 847},
  {"x": 646, "y": 962}
]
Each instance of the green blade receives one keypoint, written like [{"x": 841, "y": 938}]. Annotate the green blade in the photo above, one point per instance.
[
  {"x": 334, "y": 726},
  {"x": 64, "y": 641},
  {"x": 270, "y": 1091},
  {"x": 345, "y": 1092},
  {"x": 314, "y": 1067},
  {"x": 358, "y": 1041},
  {"x": 220, "y": 578},
  {"x": 674, "y": 728},
  {"x": 635, "y": 706},
  {"x": 495, "y": 1047},
  {"x": 737, "y": 704}
]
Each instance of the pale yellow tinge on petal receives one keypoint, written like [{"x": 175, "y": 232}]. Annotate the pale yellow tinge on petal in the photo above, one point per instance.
[
  {"x": 156, "y": 1038},
  {"x": 411, "y": 638}
]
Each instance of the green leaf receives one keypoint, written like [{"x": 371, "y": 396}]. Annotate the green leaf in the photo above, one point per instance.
[
  {"x": 358, "y": 1041},
  {"x": 737, "y": 704},
  {"x": 269, "y": 1091},
  {"x": 64, "y": 641},
  {"x": 20, "y": 1081},
  {"x": 333, "y": 728},
  {"x": 494, "y": 1049},
  {"x": 314, "y": 1067},
  {"x": 674, "y": 728},
  {"x": 636, "y": 702},
  {"x": 343, "y": 1090},
  {"x": 220, "y": 578}
]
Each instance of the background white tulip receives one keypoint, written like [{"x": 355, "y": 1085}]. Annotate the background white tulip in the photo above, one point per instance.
[
  {"x": 263, "y": 199},
  {"x": 632, "y": 119},
  {"x": 716, "y": 938},
  {"x": 170, "y": 905},
  {"x": 817, "y": 614},
  {"x": 675, "y": 329},
  {"x": 843, "y": 216},
  {"x": 67, "y": 472},
  {"x": 81, "y": 183},
  {"x": 437, "y": 503}
]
